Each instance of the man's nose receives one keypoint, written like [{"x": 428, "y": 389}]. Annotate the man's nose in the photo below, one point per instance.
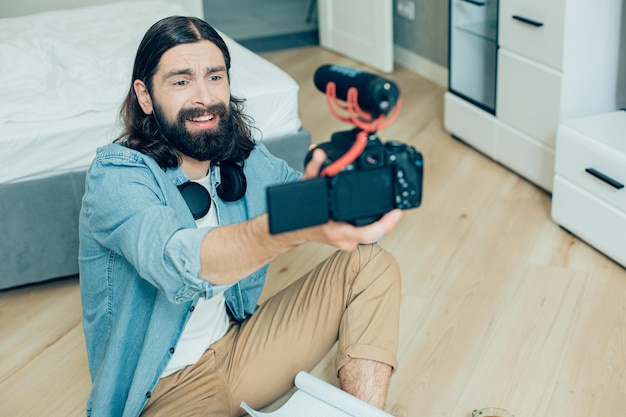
[{"x": 203, "y": 94}]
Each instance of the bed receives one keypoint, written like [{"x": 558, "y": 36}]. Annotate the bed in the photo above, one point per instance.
[{"x": 63, "y": 76}]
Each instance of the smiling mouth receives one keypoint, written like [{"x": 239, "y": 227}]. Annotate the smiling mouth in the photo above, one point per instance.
[
  {"x": 205, "y": 121},
  {"x": 205, "y": 118}
]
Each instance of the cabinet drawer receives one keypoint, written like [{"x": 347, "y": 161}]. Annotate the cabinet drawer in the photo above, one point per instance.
[
  {"x": 596, "y": 222},
  {"x": 533, "y": 29},
  {"x": 531, "y": 159},
  {"x": 469, "y": 123},
  {"x": 528, "y": 97},
  {"x": 578, "y": 153}
]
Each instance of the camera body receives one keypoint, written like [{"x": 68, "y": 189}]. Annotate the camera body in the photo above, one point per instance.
[{"x": 383, "y": 177}]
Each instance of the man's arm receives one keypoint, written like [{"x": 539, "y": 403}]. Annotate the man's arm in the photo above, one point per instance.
[{"x": 232, "y": 252}]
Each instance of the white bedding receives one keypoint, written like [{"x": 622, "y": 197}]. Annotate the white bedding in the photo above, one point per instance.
[{"x": 64, "y": 75}]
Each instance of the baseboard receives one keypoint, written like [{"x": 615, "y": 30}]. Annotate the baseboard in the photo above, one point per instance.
[
  {"x": 280, "y": 42},
  {"x": 421, "y": 66}
]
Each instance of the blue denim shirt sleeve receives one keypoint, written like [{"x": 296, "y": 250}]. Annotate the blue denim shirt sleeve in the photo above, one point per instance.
[{"x": 182, "y": 252}]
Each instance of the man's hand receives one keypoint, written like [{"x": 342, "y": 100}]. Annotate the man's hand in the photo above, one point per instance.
[
  {"x": 347, "y": 237},
  {"x": 342, "y": 235}
]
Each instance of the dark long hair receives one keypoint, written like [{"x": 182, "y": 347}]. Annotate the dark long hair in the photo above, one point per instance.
[{"x": 141, "y": 131}]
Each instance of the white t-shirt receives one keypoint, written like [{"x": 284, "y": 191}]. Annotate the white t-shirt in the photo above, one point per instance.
[{"x": 208, "y": 321}]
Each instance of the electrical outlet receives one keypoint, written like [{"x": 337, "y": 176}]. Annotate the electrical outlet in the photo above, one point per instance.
[{"x": 406, "y": 9}]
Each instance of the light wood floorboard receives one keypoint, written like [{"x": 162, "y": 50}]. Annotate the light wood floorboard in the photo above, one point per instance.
[{"x": 500, "y": 307}]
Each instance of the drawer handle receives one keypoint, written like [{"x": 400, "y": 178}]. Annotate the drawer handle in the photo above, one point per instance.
[
  {"x": 605, "y": 178},
  {"x": 475, "y": 2},
  {"x": 528, "y": 21}
]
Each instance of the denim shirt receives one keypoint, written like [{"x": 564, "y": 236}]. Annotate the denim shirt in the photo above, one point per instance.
[{"x": 139, "y": 261}]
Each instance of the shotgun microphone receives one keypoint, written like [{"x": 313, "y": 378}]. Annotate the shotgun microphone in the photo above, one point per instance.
[{"x": 376, "y": 95}]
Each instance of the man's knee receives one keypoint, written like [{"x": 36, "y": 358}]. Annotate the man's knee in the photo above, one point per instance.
[{"x": 382, "y": 264}]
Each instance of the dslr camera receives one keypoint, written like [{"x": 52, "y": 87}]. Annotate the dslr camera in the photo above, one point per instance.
[{"x": 362, "y": 178}]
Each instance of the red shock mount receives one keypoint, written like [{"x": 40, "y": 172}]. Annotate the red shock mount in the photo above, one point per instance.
[{"x": 361, "y": 119}]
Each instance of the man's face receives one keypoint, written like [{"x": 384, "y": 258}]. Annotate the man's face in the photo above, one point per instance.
[{"x": 191, "y": 99}]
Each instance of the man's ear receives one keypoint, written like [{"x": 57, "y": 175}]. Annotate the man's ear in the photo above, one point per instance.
[{"x": 143, "y": 96}]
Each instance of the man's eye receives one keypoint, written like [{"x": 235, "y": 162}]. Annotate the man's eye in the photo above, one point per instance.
[
  {"x": 180, "y": 82},
  {"x": 215, "y": 77}
]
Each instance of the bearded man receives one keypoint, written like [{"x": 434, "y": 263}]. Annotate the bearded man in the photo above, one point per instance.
[{"x": 174, "y": 250}]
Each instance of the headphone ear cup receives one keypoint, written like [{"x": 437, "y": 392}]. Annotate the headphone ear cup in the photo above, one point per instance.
[
  {"x": 197, "y": 198},
  {"x": 233, "y": 185}
]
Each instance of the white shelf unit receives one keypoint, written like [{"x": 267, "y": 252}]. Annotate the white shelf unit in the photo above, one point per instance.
[
  {"x": 589, "y": 195},
  {"x": 556, "y": 60}
]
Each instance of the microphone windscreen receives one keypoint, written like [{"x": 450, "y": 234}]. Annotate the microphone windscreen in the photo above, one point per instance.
[{"x": 376, "y": 95}]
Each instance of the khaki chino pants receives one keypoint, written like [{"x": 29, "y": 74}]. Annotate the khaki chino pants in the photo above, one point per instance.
[{"x": 352, "y": 297}]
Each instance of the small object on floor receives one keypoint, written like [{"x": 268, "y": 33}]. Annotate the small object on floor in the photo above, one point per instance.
[{"x": 491, "y": 412}]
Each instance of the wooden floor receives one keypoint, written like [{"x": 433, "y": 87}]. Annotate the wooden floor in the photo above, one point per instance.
[{"x": 500, "y": 306}]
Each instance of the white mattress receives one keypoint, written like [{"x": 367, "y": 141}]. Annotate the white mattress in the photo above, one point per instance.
[{"x": 65, "y": 73}]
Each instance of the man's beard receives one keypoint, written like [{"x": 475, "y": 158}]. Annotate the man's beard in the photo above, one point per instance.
[{"x": 210, "y": 145}]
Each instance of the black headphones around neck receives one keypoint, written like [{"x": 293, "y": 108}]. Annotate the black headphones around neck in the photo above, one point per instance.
[{"x": 232, "y": 188}]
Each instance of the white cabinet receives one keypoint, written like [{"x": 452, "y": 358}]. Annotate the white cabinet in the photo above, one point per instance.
[
  {"x": 589, "y": 195},
  {"x": 556, "y": 60}
]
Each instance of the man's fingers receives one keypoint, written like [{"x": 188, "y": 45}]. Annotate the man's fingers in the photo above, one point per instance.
[{"x": 312, "y": 169}]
